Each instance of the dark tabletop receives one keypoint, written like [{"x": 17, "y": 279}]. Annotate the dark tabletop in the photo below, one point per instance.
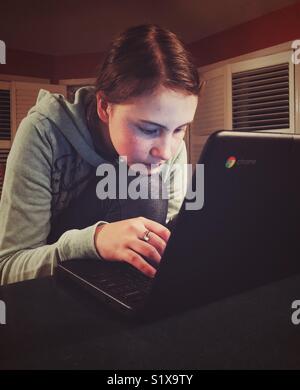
[{"x": 50, "y": 326}]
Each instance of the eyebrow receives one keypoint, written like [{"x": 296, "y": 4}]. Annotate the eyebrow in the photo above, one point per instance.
[{"x": 159, "y": 125}]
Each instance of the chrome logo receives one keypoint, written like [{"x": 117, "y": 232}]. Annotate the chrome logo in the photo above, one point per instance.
[{"x": 230, "y": 162}]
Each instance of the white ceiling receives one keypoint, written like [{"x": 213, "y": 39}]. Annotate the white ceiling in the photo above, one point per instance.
[{"x": 85, "y": 26}]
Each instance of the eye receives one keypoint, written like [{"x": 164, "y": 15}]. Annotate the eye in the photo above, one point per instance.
[
  {"x": 180, "y": 129},
  {"x": 156, "y": 131},
  {"x": 148, "y": 132}
]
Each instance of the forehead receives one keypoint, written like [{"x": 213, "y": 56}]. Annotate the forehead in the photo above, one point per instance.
[{"x": 164, "y": 106}]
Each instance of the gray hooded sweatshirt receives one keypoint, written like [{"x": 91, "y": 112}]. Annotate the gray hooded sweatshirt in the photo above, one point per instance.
[{"x": 51, "y": 161}]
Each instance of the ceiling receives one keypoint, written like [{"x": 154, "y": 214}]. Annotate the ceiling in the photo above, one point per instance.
[{"x": 69, "y": 27}]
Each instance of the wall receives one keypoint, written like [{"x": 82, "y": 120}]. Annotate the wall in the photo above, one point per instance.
[
  {"x": 25, "y": 63},
  {"x": 76, "y": 66},
  {"x": 269, "y": 30}
]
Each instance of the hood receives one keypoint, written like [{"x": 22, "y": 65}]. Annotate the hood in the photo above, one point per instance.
[{"x": 70, "y": 119}]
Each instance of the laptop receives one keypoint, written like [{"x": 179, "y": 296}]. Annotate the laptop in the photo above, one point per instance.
[{"x": 244, "y": 236}]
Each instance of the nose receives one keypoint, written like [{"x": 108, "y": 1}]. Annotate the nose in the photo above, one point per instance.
[{"x": 162, "y": 150}]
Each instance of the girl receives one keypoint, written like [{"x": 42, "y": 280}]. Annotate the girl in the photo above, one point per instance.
[{"x": 143, "y": 99}]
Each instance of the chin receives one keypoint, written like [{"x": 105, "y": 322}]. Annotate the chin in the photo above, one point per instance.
[{"x": 155, "y": 169}]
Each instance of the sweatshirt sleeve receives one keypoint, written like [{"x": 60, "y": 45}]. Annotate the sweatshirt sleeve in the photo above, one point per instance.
[{"x": 25, "y": 212}]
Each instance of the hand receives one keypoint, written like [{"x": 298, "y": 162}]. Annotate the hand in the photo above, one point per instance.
[{"x": 123, "y": 241}]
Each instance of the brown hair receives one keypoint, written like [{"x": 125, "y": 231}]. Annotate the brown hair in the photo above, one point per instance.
[{"x": 141, "y": 59}]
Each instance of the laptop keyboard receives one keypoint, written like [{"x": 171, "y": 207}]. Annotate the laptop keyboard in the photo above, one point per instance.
[
  {"x": 120, "y": 280},
  {"x": 128, "y": 286}
]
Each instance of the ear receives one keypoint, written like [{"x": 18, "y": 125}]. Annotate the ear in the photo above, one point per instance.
[{"x": 102, "y": 108}]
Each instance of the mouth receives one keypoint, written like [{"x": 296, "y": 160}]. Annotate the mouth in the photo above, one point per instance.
[{"x": 153, "y": 166}]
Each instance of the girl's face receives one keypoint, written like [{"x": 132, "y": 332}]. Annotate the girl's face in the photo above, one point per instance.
[{"x": 149, "y": 129}]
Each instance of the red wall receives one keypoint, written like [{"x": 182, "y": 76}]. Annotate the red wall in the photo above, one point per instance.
[
  {"x": 269, "y": 30},
  {"x": 24, "y": 63},
  {"x": 272, "y": 29},
  {"x": 76, "y": 66}
]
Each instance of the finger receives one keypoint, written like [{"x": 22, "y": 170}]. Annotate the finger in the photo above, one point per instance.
[
  {"x": 139, "y": 263},
  {"x": 156, "y": 241},
  {"x": 157, "y": 228},
  {"x": 146, "y": 250}
]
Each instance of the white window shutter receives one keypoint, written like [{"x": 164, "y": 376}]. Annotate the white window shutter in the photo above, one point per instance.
[
  {"x": 211, "y": 111},
  {"x": 260, "y": 98},
  {"x": 5, "y": 115},
  {"x": 297, "y": 99},
  {"x": 262, "y": 91},
  {"x": 3, "y": 158},
  {"x": 5, "y": 127}
]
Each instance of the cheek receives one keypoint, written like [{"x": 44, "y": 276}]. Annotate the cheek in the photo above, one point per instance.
[
  {"x": 121, "y": 138},
  {"x": 127, "y": 144},
  {"x": 139, "y": 148}
]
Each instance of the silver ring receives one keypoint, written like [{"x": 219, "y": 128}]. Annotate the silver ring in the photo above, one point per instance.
[{"x": 146, "y": 236}]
